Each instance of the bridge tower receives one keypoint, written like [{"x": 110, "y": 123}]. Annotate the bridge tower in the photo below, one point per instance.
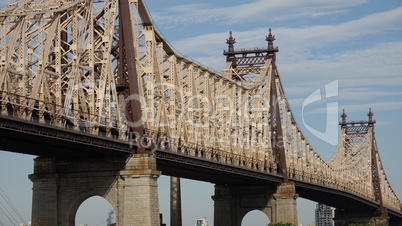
[
  {"x": 358, "y": 148},
  {"x": 233, "y": 202}
]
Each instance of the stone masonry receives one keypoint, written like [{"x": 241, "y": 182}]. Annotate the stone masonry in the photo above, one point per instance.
[
  {"x": 60, "y": 186},
  {"x": 232, "y": 203}
]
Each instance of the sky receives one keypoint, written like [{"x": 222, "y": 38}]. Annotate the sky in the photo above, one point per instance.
[{"x": 355, "y": 46}]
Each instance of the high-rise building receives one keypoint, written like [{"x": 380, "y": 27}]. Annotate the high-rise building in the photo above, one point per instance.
[
  {"x": 202, "y": 222},
  {"x": 323, "y": 215}
]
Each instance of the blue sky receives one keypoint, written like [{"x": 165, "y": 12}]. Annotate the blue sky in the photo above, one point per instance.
[{"x": 356, "y": 43}]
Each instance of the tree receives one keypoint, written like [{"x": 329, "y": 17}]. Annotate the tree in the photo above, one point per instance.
[{"x": 281, "y": 224}]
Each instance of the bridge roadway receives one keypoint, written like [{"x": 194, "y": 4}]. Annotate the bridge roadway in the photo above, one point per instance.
[{"x": 29, "y": 137}]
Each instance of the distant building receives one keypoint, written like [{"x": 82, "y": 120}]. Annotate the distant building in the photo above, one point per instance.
[
  {"x": 202, "y": 222},
  {"x": 323, "y": 215}
]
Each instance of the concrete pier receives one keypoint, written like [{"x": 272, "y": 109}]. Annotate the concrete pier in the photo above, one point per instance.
[
  {"x": 232, "y": 203},
  {"x": 130, "y": 186},
  {"x": 175, "y": 202}
]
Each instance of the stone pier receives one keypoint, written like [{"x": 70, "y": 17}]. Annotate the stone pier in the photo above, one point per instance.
[
  {"x": 232, "y": 203},
  {"x": 284, "y": 203},
  {"x": 175, "y": 202},
  {"x": 130, "y": 186}
]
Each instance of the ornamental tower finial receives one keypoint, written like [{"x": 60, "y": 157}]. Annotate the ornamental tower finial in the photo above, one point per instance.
[
  {"x": 270, "y": 39},
  {"x": 343, "y": 116},
  {"x": 230, "y": 42}
]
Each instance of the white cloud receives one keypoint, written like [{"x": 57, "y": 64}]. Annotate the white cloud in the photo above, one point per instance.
[
  {"x": 333, "y": 12},
  {"x": 379, "y": 106},
  {"x": 349, "y": 94},
  {"x": 301, "y": 40},
  {"x": 365, "y": 94},
  {"x": 378, "y": 65},
  {"x": 258, "y": 10}
]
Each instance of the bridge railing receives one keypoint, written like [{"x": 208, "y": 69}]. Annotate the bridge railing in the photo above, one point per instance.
[
  {"x": 12, "y": 106},
  {"x": 200, "y": 151}
]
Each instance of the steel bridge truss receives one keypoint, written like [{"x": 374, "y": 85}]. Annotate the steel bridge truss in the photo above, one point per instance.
[{"x": 66, "y": 62}]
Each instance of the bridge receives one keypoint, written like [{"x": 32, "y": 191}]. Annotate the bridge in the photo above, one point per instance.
[{"x": 108, "y": 105}]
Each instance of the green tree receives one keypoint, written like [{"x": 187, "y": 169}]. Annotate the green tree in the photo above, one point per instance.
[{"x": 281, "y": 224}]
